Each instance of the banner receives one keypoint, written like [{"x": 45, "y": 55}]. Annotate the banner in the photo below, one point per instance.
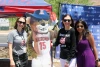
[{"x": 90, "y": 14}]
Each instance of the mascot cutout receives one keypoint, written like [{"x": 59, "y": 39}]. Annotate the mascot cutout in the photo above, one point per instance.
[{"x": 39, "y": 41}]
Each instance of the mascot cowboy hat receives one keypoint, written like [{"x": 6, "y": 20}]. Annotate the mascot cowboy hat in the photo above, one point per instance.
[{"x": 39, "y": 15}]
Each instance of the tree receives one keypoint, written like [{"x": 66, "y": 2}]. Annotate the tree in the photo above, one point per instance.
[{"x": 56, "y": 4}]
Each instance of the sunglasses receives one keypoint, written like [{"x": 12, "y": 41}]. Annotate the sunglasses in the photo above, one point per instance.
[
  {"x": 67, "y": 20},
  {"x": 21, "y": 22},
  {"x": 81, "y": 26}
]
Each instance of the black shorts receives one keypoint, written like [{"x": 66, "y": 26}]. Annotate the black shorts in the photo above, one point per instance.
[{"x": 21, "y": 60}]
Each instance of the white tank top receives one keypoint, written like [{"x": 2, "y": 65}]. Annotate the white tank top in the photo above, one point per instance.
[{"x": 43, "y": 43}]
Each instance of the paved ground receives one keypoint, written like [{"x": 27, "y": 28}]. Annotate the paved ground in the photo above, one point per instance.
[
  {"x": 57, "y": 63},
  {"x": 4, "y": 32}
]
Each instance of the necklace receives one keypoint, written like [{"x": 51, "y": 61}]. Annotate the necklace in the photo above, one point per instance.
[{"x": 22, "y": 37}]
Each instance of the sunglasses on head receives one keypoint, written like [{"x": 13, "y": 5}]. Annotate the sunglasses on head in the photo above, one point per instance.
[
  {"x": 80, "y": 26},
  {"x": 67, "y": 20},
  {"x": 21, "y": 22}
]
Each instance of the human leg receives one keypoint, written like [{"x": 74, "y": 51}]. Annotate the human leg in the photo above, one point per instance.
[
  {"x": 72, "y": 62},
  {"x": 63, "y": 62}
]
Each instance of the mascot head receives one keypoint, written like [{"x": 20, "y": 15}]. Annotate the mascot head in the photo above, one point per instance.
[{"x": 39, "y": 21}]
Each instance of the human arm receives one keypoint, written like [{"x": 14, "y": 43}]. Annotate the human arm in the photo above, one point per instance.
[
  {"x": 10, "y": 47},
  {"x": 92, "y": 43},
  {"x": 73, "y": 43},
  {"x": 12, "y": 63}
]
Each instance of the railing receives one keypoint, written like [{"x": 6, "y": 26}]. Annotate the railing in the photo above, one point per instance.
[
  {"x": 5, "y": 62},
  {"x": 3, "y": 45}
]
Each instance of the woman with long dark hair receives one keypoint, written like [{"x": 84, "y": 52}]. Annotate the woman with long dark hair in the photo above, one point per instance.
[
  {"x": 86, "y": 49},
  {"x": 17, "y": 44},
  {"x": 67, "y": 41}
]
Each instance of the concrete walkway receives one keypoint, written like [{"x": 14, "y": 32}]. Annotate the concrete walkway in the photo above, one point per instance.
[{"x": 4, "y": 32}]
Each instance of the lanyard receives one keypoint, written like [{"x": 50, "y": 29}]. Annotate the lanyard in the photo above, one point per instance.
[{"x": 21, "y": 35}]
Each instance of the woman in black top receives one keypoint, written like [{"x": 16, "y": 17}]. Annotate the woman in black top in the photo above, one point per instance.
[{"x": 67, "y": 41}]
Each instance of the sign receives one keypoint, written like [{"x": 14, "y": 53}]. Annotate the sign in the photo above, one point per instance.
[
  {"x": 4, "y": 22},
  {"x": 90, "y": 14}
]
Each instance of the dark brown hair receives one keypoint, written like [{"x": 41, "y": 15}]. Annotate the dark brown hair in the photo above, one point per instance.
[
  {"x": 15, "y": 27},
  {"x": 85, "y": 32},
  {"x": 72, "y": 24}
]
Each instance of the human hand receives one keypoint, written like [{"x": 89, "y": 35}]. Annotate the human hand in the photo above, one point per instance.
[
  {"x": 12, "y": 63},
  {"x": 62, "y": 40},
  {"x": 98, "y": 65},
  {"x": 66, "y": 64}
]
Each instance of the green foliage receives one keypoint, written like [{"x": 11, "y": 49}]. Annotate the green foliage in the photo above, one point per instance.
[
  {"x": 84, "y": 2},
  {"x": 12, "y": 21},
  {"x": 56, "y": 4}
]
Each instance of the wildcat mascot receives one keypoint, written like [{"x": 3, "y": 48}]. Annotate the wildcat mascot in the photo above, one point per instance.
[{"x": 40, "y": 39}]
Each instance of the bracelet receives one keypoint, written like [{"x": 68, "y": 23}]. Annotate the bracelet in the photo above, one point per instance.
[{"x": 97, "y": 60}]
